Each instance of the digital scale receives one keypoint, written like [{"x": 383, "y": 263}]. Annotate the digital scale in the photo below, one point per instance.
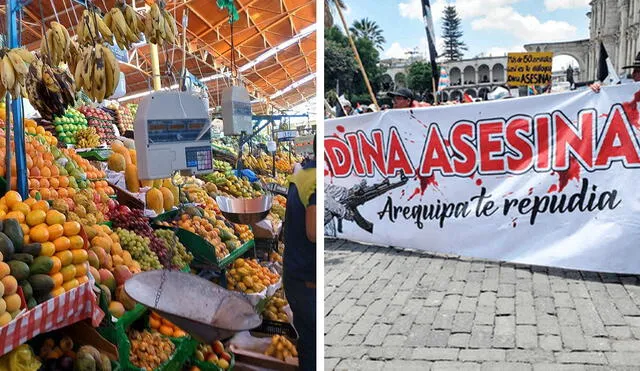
[{"x": 172, "y": 133}]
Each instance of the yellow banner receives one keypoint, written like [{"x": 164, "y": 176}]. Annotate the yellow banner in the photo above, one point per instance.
[{"x": 524, "y": 69}]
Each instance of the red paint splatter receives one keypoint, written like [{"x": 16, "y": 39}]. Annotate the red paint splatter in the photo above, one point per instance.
[
  {"x": 507, "y": 194},
  {"x": 478, "y": 182},
  {"x": 513, "y": 222},
  {"x": 402, "y": 193},
  {"x": 411, "y": 141},
  {"x": 340, "y": 128},
  {"x": 427, "y": 181},
  {"x": 631, "y": 109},
  {"x": 604, "y": 115},
  {"x": 336, "y": 135},
  {"x": 472, "y": 175},
  {"x": 530, "y": 191},
  {"x": 566, "y": 175},
  {"x": 553, "y": 173},
  {"x": 414, "y": 194},
  {"x": 326, "y": 172},
  {"x": 553, "y": 188}
]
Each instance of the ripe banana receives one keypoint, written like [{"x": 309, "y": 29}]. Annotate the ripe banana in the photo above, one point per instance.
[
  {"x": 99, "y": 88},
  {"x": 106, "y": 33},
  {"x": 8, "y": 74},
  {"x": 18, "y": 64},
  {"x": 112, "y": 72},
  {"x": 160, "y": 26}
]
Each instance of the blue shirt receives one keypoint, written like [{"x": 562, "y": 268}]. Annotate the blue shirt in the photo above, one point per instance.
[{"x": 299, "y": 252}]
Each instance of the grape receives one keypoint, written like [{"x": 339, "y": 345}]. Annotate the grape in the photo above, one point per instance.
[
  {"x": 139, "y": 250},
  {"x": 180, "y": 255}
]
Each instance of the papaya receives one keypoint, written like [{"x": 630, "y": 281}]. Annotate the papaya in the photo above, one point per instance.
[
  {"x": 41, "y": 284},
  {"x": 134, "y": 156},
  {"x": 174, "y": 190},
  {"x": 26, "y": 258},
  {"x": 41, "y": 265},
  {"x": 13, "y": 230},
  {"x": 116, "y": 162},
  {"x": 154, "y": 200},
  {"x": 26, "y": 288},
  {"x": 131, "y": 178},
  {"x": 167, "y": 198},
  {"x": 34, "y": 249},
  {"x": 6, "y": 247},
  {"x": 19, "y": 270}
]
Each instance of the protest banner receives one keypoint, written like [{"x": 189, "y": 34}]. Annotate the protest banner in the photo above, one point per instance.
[
  {"x": 547, "y": 180},
  {"x": 524, "y": 69}
]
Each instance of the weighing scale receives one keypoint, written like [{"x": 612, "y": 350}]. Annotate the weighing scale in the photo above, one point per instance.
[{"x": 172, "y": 133}]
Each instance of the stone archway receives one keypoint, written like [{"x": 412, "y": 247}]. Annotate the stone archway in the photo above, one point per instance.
[
  {"x": 469, "y": 74},
  {"x": 579, "y": 50},
  {"x": 471, "y": 92},
  {"x": 443, "y": 96},
  {"x": 455, "y": 76},
  {"x": 456, "y": 95},
  {"x": 497, "y": 72},
  {"x": 482, "y": 93},
  {"x": 484, "y": 74}
]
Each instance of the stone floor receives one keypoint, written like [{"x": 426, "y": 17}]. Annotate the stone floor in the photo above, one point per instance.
[{"x": 405, "y": 310}]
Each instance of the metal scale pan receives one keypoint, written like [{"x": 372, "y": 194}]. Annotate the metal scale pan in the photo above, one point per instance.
[
  {"x": 245, "y": 210},
  {"x": 203, "y": 309}
]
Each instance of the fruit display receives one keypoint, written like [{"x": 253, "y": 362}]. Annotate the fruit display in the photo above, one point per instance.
[
  {"x": 14, "y": 67},
  {"x": 51, "y": 89},
  {"x": 280, "y": 179},
  {"x": 215, "y": 354},
  {"x": 65, "y": 355},
  {"x": 139, "y": 247},
  {"x": 133, "y": 107},
  {"x": 205, "y": 229},
  {"x": 33, "y": 128},
  {"x": 87, "y": 138},
  {"x": 262, "y": 164},
  {"x": 159, "y": 26},
  {"x": 180, "y": 256},
  {"x": 274, "y": 309},
  {"x": 68, "y": 124},
  {"x": 92, "y": 29},
  {"x": 234, "y": 186},
  {"x": 222, "y": 166},
  {"x": 164, "y": 326},
  {"x": 248, "y": 276},
  {"x": 97, "y": 72},
  {"x": 279, "y": 206},
  {"x": 281, "y": 348},
  {"x": 149, "y": 349},
  {"x": 243, "y": 232},
  {"x": 101, "y": 121},
  {"x": 124, "y": 118},
  {"x": 9, "y": 299}
]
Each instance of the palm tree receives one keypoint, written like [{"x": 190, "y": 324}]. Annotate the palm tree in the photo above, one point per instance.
[
  {"x": 329, "y": 6},
  {"x": 368, "y": 29}
]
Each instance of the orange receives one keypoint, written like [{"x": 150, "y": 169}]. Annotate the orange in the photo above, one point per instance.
[
  {"x": 55, "y": 231},
  {"x": 45, "y": 193},
  {"x": 58, "y": 291},
  {"x": 12, "y": 198},
  {"x": 41, "y": 205},
  {"x": 48, "y": 249},
  {"x": 44, "y": 183},
  {"x": 54, "y": 170},
  {"x": 71, "y": 284},
  {"x": 55, "y": 217},
  {"x": 62, "y": 193},
  {"x": 57, "y": 265},
  {"x": 79, "y": 256},
  {"x": 34, "y": 184},
  {"x": 36, "y": 217},
  {"x": 64, "y": 181},
  {"x": 39, "y": 233},
  {"x": 71, "y": 228},
  {"x": 54, "y": 194},
  {"x": 45, "y": 171},
  {"x": 16, "y": 215},
  {"x": 71, "y": 191},
  {"x": 66, "y": 257},
  {"x": 166, "y": 330},
  {"x": 76, "y": 242},
  {"x": 82, "y": 269},
  {"x": 25, "y": 229},
  {"x": 30, "y": 201},
  {"x": 54, "y": 183},
  {"x": 62, "y": 243},
  {"x": 154, "y": 323},
  {"x": 57, "y": 278},
  {"x": 21, "y": 207},
  {"x": 82, "y": 279}
]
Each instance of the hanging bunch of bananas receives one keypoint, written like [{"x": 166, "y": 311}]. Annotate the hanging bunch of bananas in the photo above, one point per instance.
[
  {"x": 50, "y": 89},
  {"x": 97, "y": 72},
  {"x": 160, "y": 26},
  {"x": 73, "y": 56},
  {"x": 56, "y": 43},
  {"x": 13, "y": 71},
  {"x": 92, "y": 29},
  {"x": 125, "y": 24}
]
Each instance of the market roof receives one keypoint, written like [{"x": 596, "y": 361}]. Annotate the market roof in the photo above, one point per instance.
[{"x": 275, "y": 43}]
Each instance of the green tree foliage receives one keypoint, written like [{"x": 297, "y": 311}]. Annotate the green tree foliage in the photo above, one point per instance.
[
  {"x": 454, "y": 47},
  {"x": 368, "y": 29},
  {"x": 339, "y": 66},
  {"x": 419, "y": 77}
]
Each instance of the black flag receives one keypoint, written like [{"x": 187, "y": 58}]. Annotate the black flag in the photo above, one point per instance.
[
  {"x": 431, "y": 38},
  {"x": 606, "y": 72}
]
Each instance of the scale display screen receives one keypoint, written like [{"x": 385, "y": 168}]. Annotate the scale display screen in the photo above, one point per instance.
[
  {"x": 169, "y": 131},
  {"x": 199, "y": 158}
]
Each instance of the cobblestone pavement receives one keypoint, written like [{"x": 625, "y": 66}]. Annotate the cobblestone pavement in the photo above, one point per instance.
[{"x": 392, "y": 309}]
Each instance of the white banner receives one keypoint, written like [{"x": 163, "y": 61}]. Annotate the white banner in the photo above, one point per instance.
[{"x": 549, "y": 180}]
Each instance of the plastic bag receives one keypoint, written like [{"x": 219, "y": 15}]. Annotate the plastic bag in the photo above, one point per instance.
[
  {"x": 244, "y": 340},
  {"x": 20, "y": 359}
]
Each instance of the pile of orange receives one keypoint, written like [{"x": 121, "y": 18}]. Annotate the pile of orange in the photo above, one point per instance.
[
  {"x": 60, "y": 239},
  {"x": 164, "y": 326},
  {"x": 32, "y": 127},
  {"x": 45, "y": 175},
  {"x": 95, "y": 175}
]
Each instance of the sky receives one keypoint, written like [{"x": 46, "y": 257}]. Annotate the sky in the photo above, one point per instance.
[{"x": 492, "y": 27}]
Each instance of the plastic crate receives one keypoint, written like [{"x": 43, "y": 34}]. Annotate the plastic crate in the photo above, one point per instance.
[{"x": 276, "y": 328}]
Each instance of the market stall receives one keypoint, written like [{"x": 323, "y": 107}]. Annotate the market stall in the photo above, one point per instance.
[{"x": 91, "y": 216}]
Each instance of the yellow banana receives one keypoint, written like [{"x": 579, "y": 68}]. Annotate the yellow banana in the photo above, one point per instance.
[
  {"x": 8, "y": 74},
  {"x": 106, "y": 33},
  {"x": 17, "y": 62},
  {"x": 99, "y": 83},
  {"x": 26, "y": 56}
]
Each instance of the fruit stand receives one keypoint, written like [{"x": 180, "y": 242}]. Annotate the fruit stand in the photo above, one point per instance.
[{"x": 77, "y": 222}]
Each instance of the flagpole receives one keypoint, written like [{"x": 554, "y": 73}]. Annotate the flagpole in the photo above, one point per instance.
[
  {"x": 355, "y": 52},
  {"x": 435, "y": 92}
]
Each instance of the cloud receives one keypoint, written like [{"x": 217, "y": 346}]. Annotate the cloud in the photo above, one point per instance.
[
  {"x": 467, "y": 9},
  {"x": 422, "y": 47},
  {"x": 561, "y": 62},
  {"x": 498, "y": 51},
  {"x": 524, "y": 27},
  {"x": 396, "y": 51},
  {"x": 552, "y": 5}
]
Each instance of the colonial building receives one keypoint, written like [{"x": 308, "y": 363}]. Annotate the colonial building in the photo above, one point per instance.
[{"x": 614, "y": 22}]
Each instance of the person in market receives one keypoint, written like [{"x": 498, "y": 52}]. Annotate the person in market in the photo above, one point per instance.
[
  {"x": 635, "y": 74},
  {"x": 299, "y": 260}
]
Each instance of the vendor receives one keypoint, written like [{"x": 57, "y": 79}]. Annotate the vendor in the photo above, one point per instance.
[{"x": 299, "y": 273}]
